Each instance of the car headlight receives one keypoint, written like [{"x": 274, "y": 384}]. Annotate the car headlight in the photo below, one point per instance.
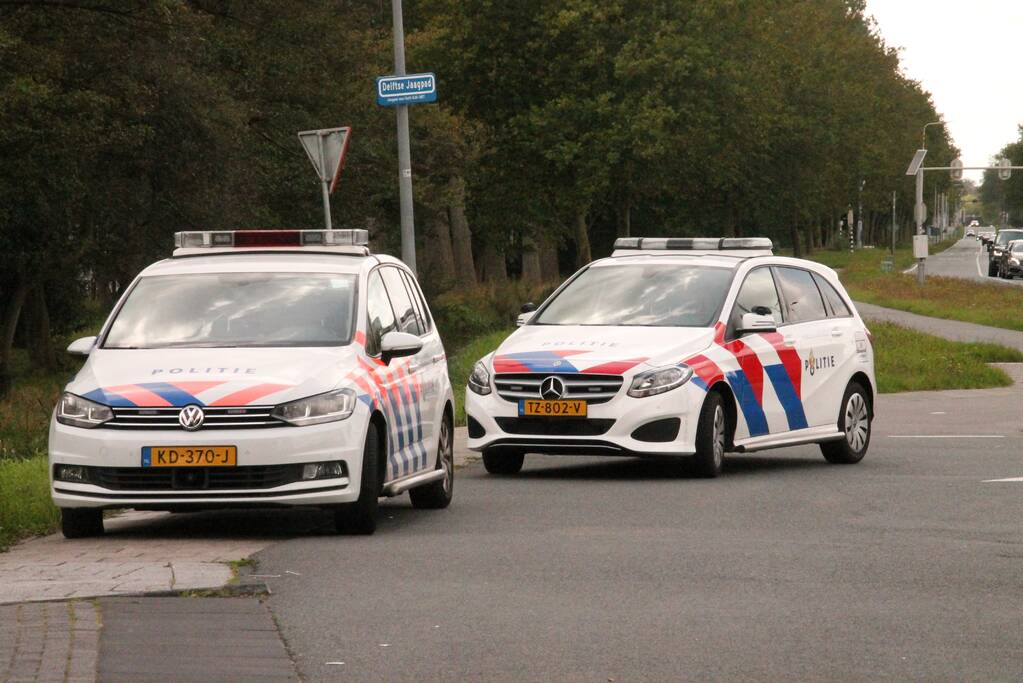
[
  {"x": 659, "y": 380},
  {"x": 1014, "y": 262},
  {"x": 479, "y": 380},
  {"x": 329, "y": 407},
  {"x": 81, "y": 412},
  {"x": 997, "y": 252}
]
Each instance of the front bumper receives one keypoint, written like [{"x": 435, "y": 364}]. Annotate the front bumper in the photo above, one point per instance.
[
  {"x": 498, "y": 420},
  {"x": 109, "y": 448}
]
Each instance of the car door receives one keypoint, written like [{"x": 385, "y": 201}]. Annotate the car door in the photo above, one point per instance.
[
  {"x": 408, "y": 372},
  {"x": 808, "y": 331},
  {"x": 761, "y": 386},
  {"x": 843, "y": 329},
  {"x": 381, "y": 320}
]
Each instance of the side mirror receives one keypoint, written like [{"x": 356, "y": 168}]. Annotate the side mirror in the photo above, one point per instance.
[
  {"x": 528, "y": 308},
  {"x": 754, "y": 322},
  {"x": 399, "y": 345},
  {"x": 82, "y": 347},
  {"x": 525, "y": 313}
]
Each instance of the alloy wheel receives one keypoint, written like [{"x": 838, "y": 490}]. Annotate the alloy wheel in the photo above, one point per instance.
[{"x": 857, "y": 423}]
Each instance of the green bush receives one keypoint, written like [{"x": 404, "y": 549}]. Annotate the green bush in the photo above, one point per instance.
[{"x": 465, "y": 314}]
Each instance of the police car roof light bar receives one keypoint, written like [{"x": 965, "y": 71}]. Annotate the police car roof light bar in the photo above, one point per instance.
[
  {"x": 694, "y": 243},
  {"x": 270, "y": 238}
]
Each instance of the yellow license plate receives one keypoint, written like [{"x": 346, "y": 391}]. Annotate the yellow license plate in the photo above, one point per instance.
[
  {"x": 552, "y": 408},
  {"x": 189, "y": 456}
]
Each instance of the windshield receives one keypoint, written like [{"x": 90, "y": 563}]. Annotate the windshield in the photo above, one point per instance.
[
  {"x": 235, "y": 310},
  {"x": 655, "y": 295},
  {"x": 1006, "y": 236}
]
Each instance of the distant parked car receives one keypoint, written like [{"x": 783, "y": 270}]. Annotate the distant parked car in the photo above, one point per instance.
[
  {"x": 971, "y": 233},
  {"x": 1009, "y": 262}
]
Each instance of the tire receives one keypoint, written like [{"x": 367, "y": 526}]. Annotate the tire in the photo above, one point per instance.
[
  {"x": 992, "y": 269},
  {"x": 500, "y": 461},
  {"x": 711, "y": 437},
  {"x": 437, "y": 495},
  {"x": 360, "y": 518},
  {"x": 854, "y": 421},
  {"x": 81, "y": 522}
]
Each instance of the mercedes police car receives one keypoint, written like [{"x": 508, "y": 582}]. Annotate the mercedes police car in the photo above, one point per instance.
[
  {"x": 285, "y": 367},
  {"x": 680, "y": 347}
]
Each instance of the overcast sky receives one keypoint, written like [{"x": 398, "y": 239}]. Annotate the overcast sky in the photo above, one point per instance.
[{"x": 945, "y": 46}]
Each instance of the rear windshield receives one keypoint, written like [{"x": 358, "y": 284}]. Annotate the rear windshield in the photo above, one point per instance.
[
  {"x": 653, "y": 295},
  {"x": 228, "y": 310}
]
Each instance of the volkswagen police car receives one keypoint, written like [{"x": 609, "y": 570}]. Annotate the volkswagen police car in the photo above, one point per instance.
[
  {"x": 285, "y": 367},
  {"x": 680, "y": 347}
]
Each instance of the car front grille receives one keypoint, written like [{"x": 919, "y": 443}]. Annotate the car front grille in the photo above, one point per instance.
[
  {"x": 593, "y": 388},
  {"x": 541, "y": 426},
  {"x": 252, "y": 417},
  {"x": 193, "y": 478}
]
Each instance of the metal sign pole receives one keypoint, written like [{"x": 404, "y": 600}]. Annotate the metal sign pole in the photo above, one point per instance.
[
  {"x": 325, "y": 184},
  {"x": 920, "y": 218},
  {"x": 408, "y": 230},
  {"x": 893, "y": 226}
]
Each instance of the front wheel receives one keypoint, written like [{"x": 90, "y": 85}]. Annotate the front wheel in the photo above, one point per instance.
[
  {"x": 711, "y": 437},
  {"x": 437, "y": 495},
  {"x": 500, "y": 461},
  {"x": 854, "y": 421},
  {"x": 360, "y": 518},
  {"x": 81, "y": 522}
]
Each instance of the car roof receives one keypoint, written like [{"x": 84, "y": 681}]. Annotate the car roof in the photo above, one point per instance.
[
  {"x": 716, "y": 261},
  {"x": 268, "y": 262}
]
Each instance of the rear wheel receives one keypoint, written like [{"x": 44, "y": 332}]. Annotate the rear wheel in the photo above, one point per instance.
[
  {"x": 502, "y": 461},
  {"x": 854, "y": 421},
  {"x": 81, "y": 522},
  {"x": 437, "y": 495},
  {"x": 360, "y": 518},
  {"x": 711, "y": 437}
]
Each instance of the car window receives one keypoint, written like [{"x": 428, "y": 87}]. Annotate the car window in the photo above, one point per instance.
[
  {"x": 838, "y": 306},
  {"x": 1005, "y": 236},
  {"x": 757, "y": 295},
  {"x": 802, "y": 298},
  {"x": 404, "y": 311},
  {"x": 417, "y": 301},
  {"x": 381, "y": 316},
  {"x": 650, "y": 294},
  {"x": 235, "y": 310}
]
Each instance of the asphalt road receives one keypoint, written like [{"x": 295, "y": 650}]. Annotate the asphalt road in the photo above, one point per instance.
[
  {"x": 906, "y": 566},
  {"x": 966, "y": 259}
]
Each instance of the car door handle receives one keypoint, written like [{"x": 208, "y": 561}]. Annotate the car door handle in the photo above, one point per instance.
[
  {"x": 789, "y": 341},
  {"x": 836, "y": 332},
  {"x": 439, "y": 357}
]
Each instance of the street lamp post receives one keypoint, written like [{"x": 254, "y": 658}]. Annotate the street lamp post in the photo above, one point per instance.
[
  {"x": 408, "y": 231},
  {"x": 859, "y": 217}
]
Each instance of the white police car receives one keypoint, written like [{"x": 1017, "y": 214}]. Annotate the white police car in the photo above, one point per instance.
[
  {"x": 680, "y": 347},
  {"x": 286, "y": 367}
]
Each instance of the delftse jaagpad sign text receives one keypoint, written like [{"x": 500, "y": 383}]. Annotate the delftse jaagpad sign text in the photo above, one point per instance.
[{"x": 411, "y": 89}]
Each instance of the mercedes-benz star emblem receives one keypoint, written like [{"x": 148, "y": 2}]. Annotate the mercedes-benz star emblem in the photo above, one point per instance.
[
  {"x": 191, "y": 417},
  {"x": 552, "y": 388}
]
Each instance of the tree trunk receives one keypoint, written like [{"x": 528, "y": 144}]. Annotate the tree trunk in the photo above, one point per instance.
[
  {"x": 38, "y": 339},
  {"x": 494, "y": 268},
  {"x": 531, "y": 272},
  {"x": 441, "y": 256},
  {"x": 797, "y": 249},
  {"x": 625, "y": 217},
  {"x": 461, "y": 236},
  {"x": 550, "y": 271},
  {"x": 8, "y": 326},
  {"x": 582, "y": 239}
]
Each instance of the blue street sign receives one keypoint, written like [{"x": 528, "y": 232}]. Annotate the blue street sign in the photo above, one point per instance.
[{"x": 411, "y": 89}]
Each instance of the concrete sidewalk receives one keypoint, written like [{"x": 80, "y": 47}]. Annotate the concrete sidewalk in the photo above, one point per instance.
[{"x": 948, "y": 329}]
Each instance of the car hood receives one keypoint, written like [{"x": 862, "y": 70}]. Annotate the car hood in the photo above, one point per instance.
[
  {"x": 216, "y": 377},
  {"x": 597, "y": 349}
]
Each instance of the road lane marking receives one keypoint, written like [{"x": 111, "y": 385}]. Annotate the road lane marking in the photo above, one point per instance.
[
  {"x": 977, "y": 261},
  {"x": 989, "y": 481},
  {"x": 946, "y": 436},
  {"x": 938, "y": 412}
]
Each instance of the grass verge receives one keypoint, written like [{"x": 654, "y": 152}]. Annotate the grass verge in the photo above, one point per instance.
[
  {"x": 907, "y": 360},
  {"x": 460, "y": 366},
  {"x": 991, "y": 304},
  {"x": 25, "y": 507}
]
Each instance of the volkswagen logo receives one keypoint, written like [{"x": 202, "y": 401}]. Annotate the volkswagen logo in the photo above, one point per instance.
[
  {"x": 552, "y": 388},
  {"x": 191, "y": 417}
]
